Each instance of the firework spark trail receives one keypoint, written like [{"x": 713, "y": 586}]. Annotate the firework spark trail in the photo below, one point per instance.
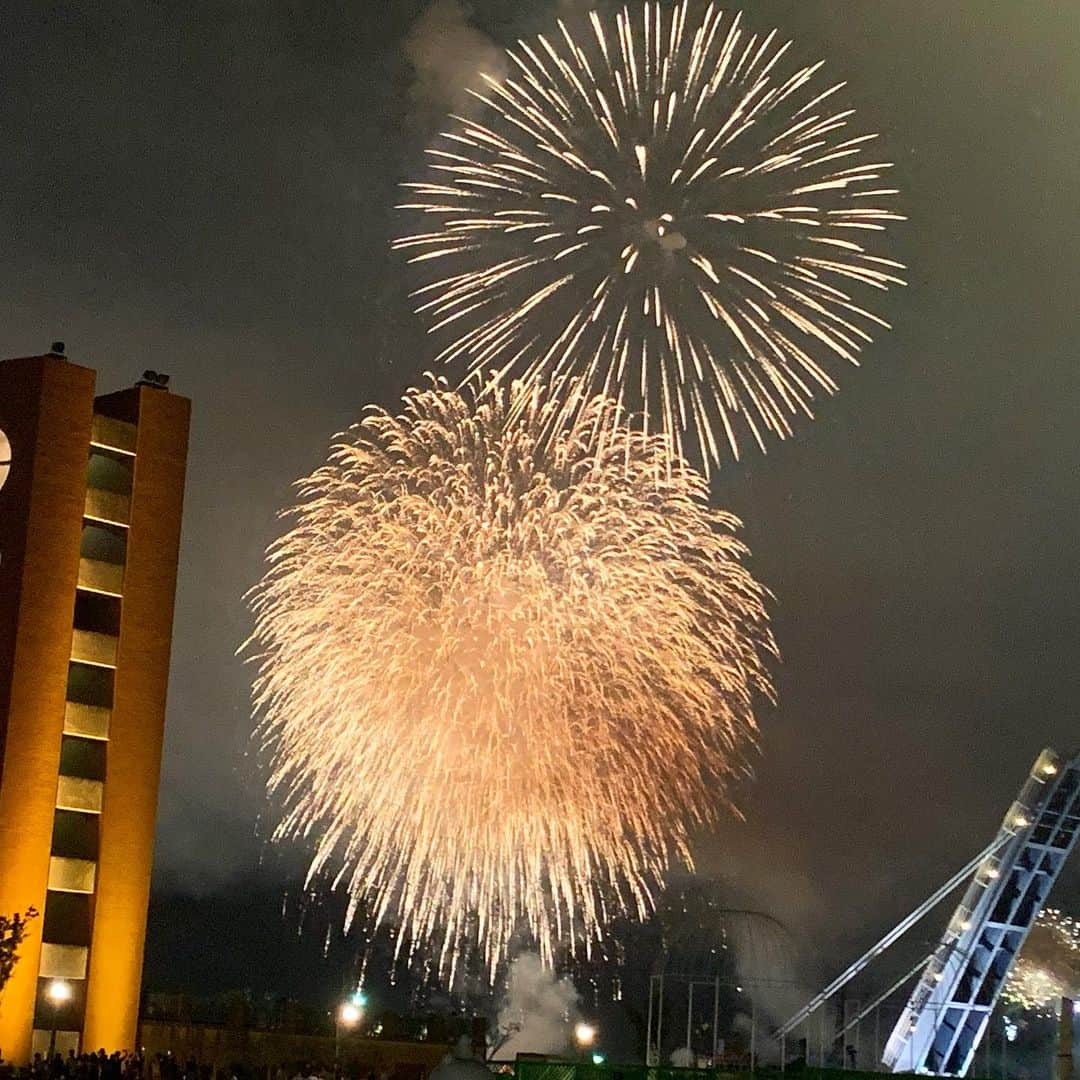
[
  {"x": 501, "y": 678},
  {"x": 1049, "y": 964},
  {"x": 655, "y": 203}
]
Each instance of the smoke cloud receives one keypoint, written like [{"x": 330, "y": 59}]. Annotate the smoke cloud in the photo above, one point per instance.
[
  {"x": 539, "y": 1010},
  {"x": 449, "y": 55},
  {"x": 767, "y": 961}
]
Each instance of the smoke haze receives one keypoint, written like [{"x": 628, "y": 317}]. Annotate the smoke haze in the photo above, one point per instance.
[
  {"x": 449, "y": 55},
  {"x": 538, "y": 1012}
]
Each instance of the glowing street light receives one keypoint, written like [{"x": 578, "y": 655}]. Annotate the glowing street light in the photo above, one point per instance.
[
  {"x": 584, "y": 1034},
  {"x": 59, "y": 993},
  {"x": 349, "y": 1014}
]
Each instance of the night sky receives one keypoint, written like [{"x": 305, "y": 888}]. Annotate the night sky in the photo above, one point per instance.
[{"x": 206, "y": 189}]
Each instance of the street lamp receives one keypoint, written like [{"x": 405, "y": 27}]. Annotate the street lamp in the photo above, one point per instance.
[
  {"x": 349, "y": 1014},
  {"x": 59, "y": 993},
  {"x": 584, "y": 1035}
]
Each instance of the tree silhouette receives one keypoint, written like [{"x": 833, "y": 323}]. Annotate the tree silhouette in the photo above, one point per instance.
[{"x": 12, "y": 932}]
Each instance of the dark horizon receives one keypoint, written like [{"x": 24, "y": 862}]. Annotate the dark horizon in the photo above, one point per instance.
[{"x": 210, "y": 194}]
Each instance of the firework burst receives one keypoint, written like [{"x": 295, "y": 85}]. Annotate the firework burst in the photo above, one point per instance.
[
  {"x": 657, "y": 203},
  {"x": 1049, "y": 965},
  {"x": 502, "y": 677}
]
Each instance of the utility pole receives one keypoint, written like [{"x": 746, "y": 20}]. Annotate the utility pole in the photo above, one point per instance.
[{"x": 1064, "y": 1063}]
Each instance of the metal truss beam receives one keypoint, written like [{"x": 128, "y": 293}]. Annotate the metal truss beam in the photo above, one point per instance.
[{"x": 948, "y": 1010}]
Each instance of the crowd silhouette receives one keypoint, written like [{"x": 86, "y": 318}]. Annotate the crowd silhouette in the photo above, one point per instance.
[{"x": 136, "y": 1066}]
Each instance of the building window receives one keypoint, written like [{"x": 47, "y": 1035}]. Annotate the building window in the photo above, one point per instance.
[
  {"x": 67, "y": 919},
  {"x": 83, "y": 758},
  {"x": 109, "y": 472},
  {"x": 75, "y": 835},
  {"x": 90, "y": 685},
  {"x": 104, "y": 543}
]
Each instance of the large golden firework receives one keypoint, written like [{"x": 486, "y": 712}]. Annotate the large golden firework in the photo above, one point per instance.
[
  {"x": 662, "y": 203},
  {"x": 503, "y": 676},
  {"x": 1048, "y": 967}
]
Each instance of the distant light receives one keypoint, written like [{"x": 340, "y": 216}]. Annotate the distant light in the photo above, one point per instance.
[
  {"x": 598, "y": 1059},
  {"x": 349, "y": 1014},
  {"x": 1049, "y": 770},
  {"x": 966, "y": 924},
  {"x": 993, "y": 872},
  {"x": 1021, "y": 822},
  {"x": 584, "y": 1034},
  {"x": 58, "y": 992},
  {"x": 359, "y": 999}
]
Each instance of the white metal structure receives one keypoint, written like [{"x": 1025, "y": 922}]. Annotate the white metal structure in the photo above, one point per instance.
[
  {"x": 892, "y": 936},
  {"x": 1010, "y": 880},
  {"x": 949, "y": 1008}
]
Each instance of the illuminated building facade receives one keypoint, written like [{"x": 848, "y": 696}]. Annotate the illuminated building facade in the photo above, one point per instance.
[{"x": 91, "y": 493}]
